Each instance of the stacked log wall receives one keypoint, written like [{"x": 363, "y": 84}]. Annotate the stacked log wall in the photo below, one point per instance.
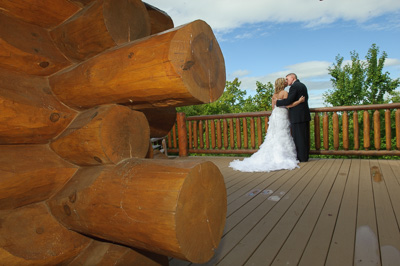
[{"x": 84, "y": 86}]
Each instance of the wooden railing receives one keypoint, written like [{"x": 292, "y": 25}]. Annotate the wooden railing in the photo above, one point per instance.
[{"x": 339, "y": 132}]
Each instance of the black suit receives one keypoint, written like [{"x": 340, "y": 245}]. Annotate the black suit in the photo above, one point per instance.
[{"x": 299, "y": 117}]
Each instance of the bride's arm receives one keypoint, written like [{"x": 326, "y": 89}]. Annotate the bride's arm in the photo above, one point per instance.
[{"x": 299, "y": 101}]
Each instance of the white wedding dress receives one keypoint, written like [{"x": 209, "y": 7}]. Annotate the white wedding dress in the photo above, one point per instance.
[{"x": 277, "y": 152}]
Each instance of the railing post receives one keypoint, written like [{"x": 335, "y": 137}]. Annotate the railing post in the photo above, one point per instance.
[{"x": 182, "y": 134}]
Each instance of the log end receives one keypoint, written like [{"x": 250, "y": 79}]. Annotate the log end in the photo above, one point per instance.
[
  {"x": 104, "y": 135},
  {"x": 201, "y": 212},
  {"x": 201, "y": 63}
]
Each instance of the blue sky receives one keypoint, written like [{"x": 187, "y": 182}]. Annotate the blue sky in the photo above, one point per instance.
[{"x": 262, "y": 40}]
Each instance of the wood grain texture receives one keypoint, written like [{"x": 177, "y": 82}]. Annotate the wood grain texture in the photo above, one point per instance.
[
  {"x": 161, "y": 120},
  {"x": 30, "y": 173},
  {"x": 103, "y": 254},
  {"x": 43, "y": 13},
  {"x": 159, "y": 20},
  {"x": 179, "y": 67},
  {"x": 31, "y": 236},
  {"x": 29, "y": 113},
  {"x": 28, "y": 48},
  {"x": 104, "y": 135},
  {"x": 174, "y": 208},
  {"x": 100, "y": 26}
]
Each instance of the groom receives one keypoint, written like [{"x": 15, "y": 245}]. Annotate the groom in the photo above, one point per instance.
[{"x": 299, "y": 116}]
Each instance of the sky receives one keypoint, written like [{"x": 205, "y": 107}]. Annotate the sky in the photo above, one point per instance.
[{"x": 262, "y": 40}]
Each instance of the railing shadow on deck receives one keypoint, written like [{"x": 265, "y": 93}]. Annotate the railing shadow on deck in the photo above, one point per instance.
[{"x": 364, "y": 130}]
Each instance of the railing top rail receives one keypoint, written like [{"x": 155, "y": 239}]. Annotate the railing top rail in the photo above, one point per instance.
[
  {"x": 357, "y": 107},
  {"x": 224, "y": 116},
  {"x": 319, "y": 109}
]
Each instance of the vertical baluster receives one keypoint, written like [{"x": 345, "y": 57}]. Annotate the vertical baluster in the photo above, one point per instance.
[
  {"x": 182, "y": 135},
  {"x": 317, "y": 131},
  {"x": 174, "y": 137},
  {"x": 345, "y": 129},
  {"x": 195, "y": 135},
  {"x": 225, "y": 133},
  {"x": 335, "y": 128},
  {"x": 238, "y": 134},
  {"x": 190, "y": 134},
  {"x": 397, "y": 118},
  {"x": 367, "y": 129},
  {"x": 388, "y": 130},
  {"x": 356, "y": 131},
  {"x": 325, "y": 125},
  {"x": 201, "y": 141},
  {"x": 212, "y": 134},
  {"x": 377, "y": 130},
  {"x": 259, "y": 131},
  {"x": 219, "y": 135},
  {"x": 245, "y": 134},
  {"x": 252, "y": 133},
  {"x": 207, "y": 135},
  {"x": 231, "y": 134}
]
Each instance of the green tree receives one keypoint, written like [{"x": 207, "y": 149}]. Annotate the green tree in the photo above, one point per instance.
[{"x": 361, "y": 82}]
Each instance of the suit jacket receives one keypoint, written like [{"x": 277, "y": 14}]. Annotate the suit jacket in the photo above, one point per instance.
[{"x": 301, "y": 112}]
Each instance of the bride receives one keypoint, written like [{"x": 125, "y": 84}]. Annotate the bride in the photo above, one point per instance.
[{"x": 278, "y": 150}]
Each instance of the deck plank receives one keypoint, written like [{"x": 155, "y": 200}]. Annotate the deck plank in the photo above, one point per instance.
[
  {"x": 341, "y": 250},
  {"x": 388, "y": 229},
  {"x": 275, "y": 208},
  {"x": 328, "y": 212},
  {"x": 279, "y": 236}
]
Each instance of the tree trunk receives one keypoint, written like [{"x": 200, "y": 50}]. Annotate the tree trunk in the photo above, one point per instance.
[
  {"x": 104, "y": 135},
  {"x": 180, "y": 67},
  {"x": 28, "y": 48},
  {"x": 30, "y": 173},
  {"x": 29, "y": 113},
  {"x": 31, "y": 236},
  {"x": 100, "y": 26},
  {"x": 174, "y": 208}
]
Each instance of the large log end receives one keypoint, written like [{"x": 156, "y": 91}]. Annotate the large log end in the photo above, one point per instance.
[
  {"x": 104, "y": 135},
  {"x": 174, "y": 208}
]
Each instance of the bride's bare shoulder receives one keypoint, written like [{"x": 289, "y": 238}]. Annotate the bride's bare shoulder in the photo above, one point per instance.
[{"x": 282, "y": 94}]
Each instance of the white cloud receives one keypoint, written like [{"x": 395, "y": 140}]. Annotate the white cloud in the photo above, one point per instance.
[{"x": 225, "y": 15}]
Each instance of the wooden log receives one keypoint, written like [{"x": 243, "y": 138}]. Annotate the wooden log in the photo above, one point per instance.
[
  {"x": 388, "y": 130},
  {"x": 179, "y": 67},
  {"x": 29, "y": 113},
  {"x": 103, "y": 254},
  {"x": 30, "y": 173},
  {"x": 159, "y": 20},
  {"x": 28, "y": 48},
  {"x": 174, "y": 208},
  {"x": 43, "y": 13},
  {"x": 104, "y": 135},
  {"x": 161, "y": 120},
  {"x": 100, "y": 26},
  {"x": 31, "y": 236},
  {"x": 377, "y": 130},
  {"x": 317, "y": 131}
]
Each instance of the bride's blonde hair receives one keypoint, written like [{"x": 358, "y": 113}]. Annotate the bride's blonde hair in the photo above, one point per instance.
[{"x": 280, "y": 84}]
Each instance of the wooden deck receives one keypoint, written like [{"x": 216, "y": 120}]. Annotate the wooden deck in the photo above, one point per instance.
[{"x": 327, "y": 212}]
